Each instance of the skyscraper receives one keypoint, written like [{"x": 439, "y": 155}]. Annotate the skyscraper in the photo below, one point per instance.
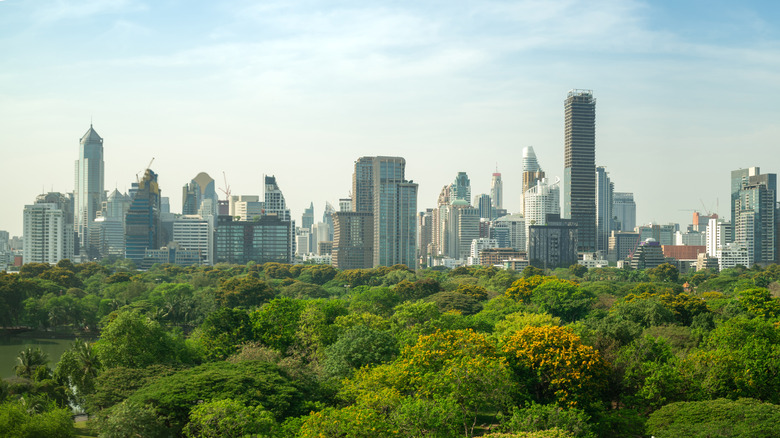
[
  {"x": 307, "y": 219},
  {"x": 738, "y": 177},
  {"x": 624, "y": 210},
  {"x": 143, "y": 229},
  {"x": 461, "y": 188},
  {"x": 532, "y": 173},
  {"x": 604, "y": 201},
  {"x": 755, "y": 213},
  {"x": 497, "y": 191},
  {"x": 380, "y": 190},
  {"x": 88, "y": 194},
  {"x": 198, "y": 191},
  {"x": 48, "y": 229},
  {"x": 579, "y": 174},
  {"x": 540, "y": 201}
]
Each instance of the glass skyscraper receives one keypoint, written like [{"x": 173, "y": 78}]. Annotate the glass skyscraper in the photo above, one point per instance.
[{"x": 88, "y": 194}]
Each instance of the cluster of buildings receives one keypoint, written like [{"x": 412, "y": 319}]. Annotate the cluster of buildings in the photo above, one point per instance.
[{"x": 379, "y": 224}]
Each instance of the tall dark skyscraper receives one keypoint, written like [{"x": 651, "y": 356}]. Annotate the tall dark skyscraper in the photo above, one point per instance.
[{"x": 579, "y": 169}]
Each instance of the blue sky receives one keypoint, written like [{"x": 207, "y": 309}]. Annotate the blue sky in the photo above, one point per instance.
[{"x": 686, "y": 92}]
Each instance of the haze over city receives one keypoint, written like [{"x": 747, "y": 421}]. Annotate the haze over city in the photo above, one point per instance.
[{"x": 299, "y": 90}]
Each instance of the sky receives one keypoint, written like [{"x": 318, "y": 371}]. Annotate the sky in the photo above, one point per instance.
[{"x": 686, "y": 92}]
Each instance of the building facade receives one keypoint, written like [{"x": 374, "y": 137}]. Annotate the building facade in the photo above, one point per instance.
[
  {"x": 579, "y": 177},
  {"x": 89, "y": 185},
  {"x": 553, "y": 245}
]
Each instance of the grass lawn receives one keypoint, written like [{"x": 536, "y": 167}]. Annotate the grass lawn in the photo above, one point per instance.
[{"x": 83, "y": 430}]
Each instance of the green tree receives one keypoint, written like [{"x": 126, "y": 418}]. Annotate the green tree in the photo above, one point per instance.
[
  {"x": 228, "y": 418},
  {"x": 276, "y": 322},
  {"x": 133, "y": 340},
  {"x": 664, "y": 273},
  {"x": 358, "y": 347},
  {"x": 250, "y": 383},
  {"x": 244, "y": 291},
  {"x": 19, "y": 420},
  {"x": 223, "y": 332},
  {"x": 538, "y": 417},
  {"x": 132, "y": 419},
  {"x": 28, "y": 362},
  {"x": 743, "y": 418},
  {"x": 78, "y": 367},
  {"x": 563, "y": 298}
]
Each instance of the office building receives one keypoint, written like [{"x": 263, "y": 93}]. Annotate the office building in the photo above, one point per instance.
[
  {"x": 579, "y": 177},
  {"x": 738, "y": 177},
  {"x": 647, "y": 255},
  {"x": 379, "y": 189},
  {"x": 353, "y": 245},
  {"x": 143, "y": 226},
  {"x": 199, "y": 191},
  {"x": 755, "y": 212},
  {"x": 266, "y": 239},
  {"x": 497, "y": 192},
  {"x": 531, "y": 172},
  {"x": 461, "y": 188},
  {"x": 195, "y": 233},
  {"x": 484, "y": 205},
  {"x": 463, "y": 228},
  {"x": 622, "y": 245},
  {"x": 554, "y": 244},
  {"x": 604, "y": 202},
  {"x": 307, "y": 219},
  {"x": 515, "y": 226},
  {"x": 479, "y": 245},
  {"x": 624, "y": 211},
  {"x": 88, "y": 194}
]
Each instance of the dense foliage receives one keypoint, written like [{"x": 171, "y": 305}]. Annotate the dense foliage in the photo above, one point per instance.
[{"x": 277, "y": 350}]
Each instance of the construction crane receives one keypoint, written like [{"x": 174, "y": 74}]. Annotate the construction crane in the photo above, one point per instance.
[
  {"x": 137, "y": 179},
  {"x": 226, "y": 190}
]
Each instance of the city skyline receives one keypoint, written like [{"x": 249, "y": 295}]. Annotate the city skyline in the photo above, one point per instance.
[{"x": 437, "y": 87}]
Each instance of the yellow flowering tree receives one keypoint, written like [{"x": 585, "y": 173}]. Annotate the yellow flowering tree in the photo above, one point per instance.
[{"x": 556, "y": 365}]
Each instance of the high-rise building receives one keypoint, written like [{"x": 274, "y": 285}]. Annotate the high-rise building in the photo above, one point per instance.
[
  {"x": 463, "y": 228},
  {"x": 266, "y": 239},
  {"x": 755, "y": 210},
  {"x": 461, "y": 188},
  {"x": 484, "y": 205},
  {"x": 195, "y": 233},
  {"x": 622, "y": 245},
  {"x": 143, "y": 227},
  {"x": 540, "y": 201},
  {"x": 554, "y": 244},
  {"x": 604, "y": 202},
  {"x": 88, "y": 194},
  {"x": 327, "y": 218},
  {"x": 510, "y": 231},
  {"x": 49, "y": 235},
  {"x": 425, "y": 236},
  {"x": 718, "y": 235},
  {"x": 194, "y": 194},
  {"x": 379, "y": 189},
  {"x": 353, "y": 244},
  {"x": 624, "y": 211},
  {"x": 738, "y": 177},
  {"x": 307, "y": 219},
  {"x": 531, "y": 172},
  {"x": 496, "y": 192},
  {"x": 274, "y": 199},
  {"x": 579, "y": 177}
]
